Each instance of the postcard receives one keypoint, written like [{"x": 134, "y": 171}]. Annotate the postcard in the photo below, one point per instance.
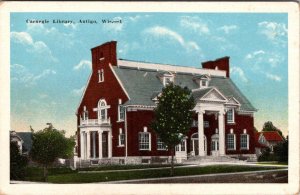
[{"x": 149, "y": 98}]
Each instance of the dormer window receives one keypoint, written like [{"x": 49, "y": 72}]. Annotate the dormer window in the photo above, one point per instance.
[
  {"x": 166, "y": 77},
  {"x": 204, "y": 83},
  {"x": 202, "y": 80},
  {"x": 168, "y": 80}
]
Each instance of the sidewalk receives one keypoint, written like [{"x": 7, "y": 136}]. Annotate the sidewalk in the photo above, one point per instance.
[
  {"x": 185, "y": 166},
  {"x": 264, "y": 176}
]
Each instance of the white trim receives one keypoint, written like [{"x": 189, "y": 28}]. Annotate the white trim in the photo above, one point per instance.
[
  {"x": 215, "y": 89},
  {"x": 235, "y": 100},
  {"x": 173, "y": 68},
  {"x": 121, "y": 84},
  {"x": 82, "y": 95}
]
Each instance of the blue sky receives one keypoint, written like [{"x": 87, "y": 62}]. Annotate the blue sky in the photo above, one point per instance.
[{"x": 50, "y": 63}]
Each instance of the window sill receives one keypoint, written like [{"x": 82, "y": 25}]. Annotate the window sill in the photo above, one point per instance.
[
  {"x": 161, "y": 149},
  {"x": 119, "y": 121},
  {"x": 144, "y": 150},
  {"x": 231, "y": 149},
  {"x": 231, "y": 123},
  {"x": 121, "y": 146},
  {"x": 244, "y": 149}
]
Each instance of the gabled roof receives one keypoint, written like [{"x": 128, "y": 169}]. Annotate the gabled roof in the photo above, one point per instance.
[
  {"x": 272, "y": 136},
  {"x": 257, "y": 143},
  {"x": 141, "y": 84}
]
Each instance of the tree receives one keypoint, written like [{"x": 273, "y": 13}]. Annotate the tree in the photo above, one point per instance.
[
  {"x": 173, "y": 116},
  {"x": 268, "y": 126},
  {"x": 48, "y": 145},
  {"x": 281, "y": 151},
  {"x": 18, "y": 162}
]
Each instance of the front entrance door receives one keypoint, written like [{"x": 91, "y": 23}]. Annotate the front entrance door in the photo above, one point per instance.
[
  {"x": 215, "y": 145},
  {"x": 195, "y": 145},
  {"x": 104, "y": 145}
]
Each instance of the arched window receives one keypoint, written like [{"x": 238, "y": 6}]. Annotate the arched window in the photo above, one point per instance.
[{"x": 102, "y": 109}]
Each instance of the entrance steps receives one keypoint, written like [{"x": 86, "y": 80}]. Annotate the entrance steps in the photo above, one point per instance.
[{"x": 211, "y": 159}]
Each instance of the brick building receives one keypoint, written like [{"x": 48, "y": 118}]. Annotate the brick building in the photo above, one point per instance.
[{"x": 117, "y": 105}]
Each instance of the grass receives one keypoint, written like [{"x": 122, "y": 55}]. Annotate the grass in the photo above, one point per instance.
[
  {"x": 64, "y": 175},
  {"x": 272, "y": 163}
]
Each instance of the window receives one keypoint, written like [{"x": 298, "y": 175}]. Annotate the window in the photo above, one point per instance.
[
  {"x": 160, "y": 144},
  {"x": 206, "y": 124},
  {"x": 230, "y": 115},
  {"x": 230, "y": 141},
  {"x": 121, "y": 111},
  {"x": 144, "y": 141},
  {"x": 180, "y": 147},
  {"x": 102, "y": 110},
  {"x": 203, "y": 83},
  {"x": 85, "y": 115},
  {"x": 245, "y": 141},
  {"x": 121, "y": 139},
  {"x": 101, "y": 75},
  {"x": 168, "y": 80}
]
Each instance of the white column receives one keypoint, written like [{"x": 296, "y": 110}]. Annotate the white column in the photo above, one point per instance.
[
  {"x": 94, "y": 144},
  {"x": 88, "y": 145},
  {"x": 221, "y": 133},
  {"x": 109, "y": 144},
  {"x": 201, "y": 134},
  {"x": 82, "y": 145},
  {"x": 100, "y": 144}
]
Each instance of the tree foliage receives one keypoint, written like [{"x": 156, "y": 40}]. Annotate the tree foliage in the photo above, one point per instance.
[
  {"x": 18, "y": 162},
  {"x": 48, "y": 145},
  {"x": 173, "y": 115},
  {"x": 281, "y": 150}
]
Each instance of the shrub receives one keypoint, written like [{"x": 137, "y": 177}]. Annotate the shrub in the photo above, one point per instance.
[{"x": 18, "y": 163}]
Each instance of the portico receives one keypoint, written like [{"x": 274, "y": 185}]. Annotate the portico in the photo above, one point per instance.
[
  {"x": 96, "y": 142},
  {"x": 211, "y": 102}
]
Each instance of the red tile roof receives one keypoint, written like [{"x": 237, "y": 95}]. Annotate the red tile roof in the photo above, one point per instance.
[{"x": 272, "y": 136}]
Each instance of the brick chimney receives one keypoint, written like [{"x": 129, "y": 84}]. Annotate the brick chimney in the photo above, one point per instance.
[
  {"x": 104, "y": 54},
  {"x": 218, "y": 64}
]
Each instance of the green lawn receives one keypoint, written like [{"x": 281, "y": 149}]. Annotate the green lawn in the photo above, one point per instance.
[{"x": 64, "y": 175}]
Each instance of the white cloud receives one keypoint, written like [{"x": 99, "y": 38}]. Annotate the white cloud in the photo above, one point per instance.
[
  {"x": 275, "y": 32},
  {"x": 239, "y": 72},
  {"x": 273, "y": 77},
  {"x": 83, "y": 64},
  {"x": 21, "y": 37},
  {"x": 195, "y": 24},
  {"x": 134, "y": 18},
  {"x": 21, "y": 74},
  {"x": 26, "y": 39},
  {"x": 71, "y": 25},
  {"x": 254, "y": 54},
  {"x": 228, "y": 28},
  {"x": 78, "y": 92},
  {"x": 263, "y": 58},
  {"x": 163, "y": 32},
  {"x": 40, "y": 28}
]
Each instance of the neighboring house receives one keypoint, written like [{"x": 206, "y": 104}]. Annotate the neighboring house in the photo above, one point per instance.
[
  {"x": 117, "y": 105},
  {"x": 259, "y": 147},
  {"x": 23, "y": 140},
  {"x": 269, "y": 139},
  {"x": 15, "y": 138}
]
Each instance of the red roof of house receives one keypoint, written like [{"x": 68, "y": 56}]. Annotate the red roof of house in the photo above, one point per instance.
[
  {"x": 257, "y": 144},
  {"x": 272, "y": 136}
]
